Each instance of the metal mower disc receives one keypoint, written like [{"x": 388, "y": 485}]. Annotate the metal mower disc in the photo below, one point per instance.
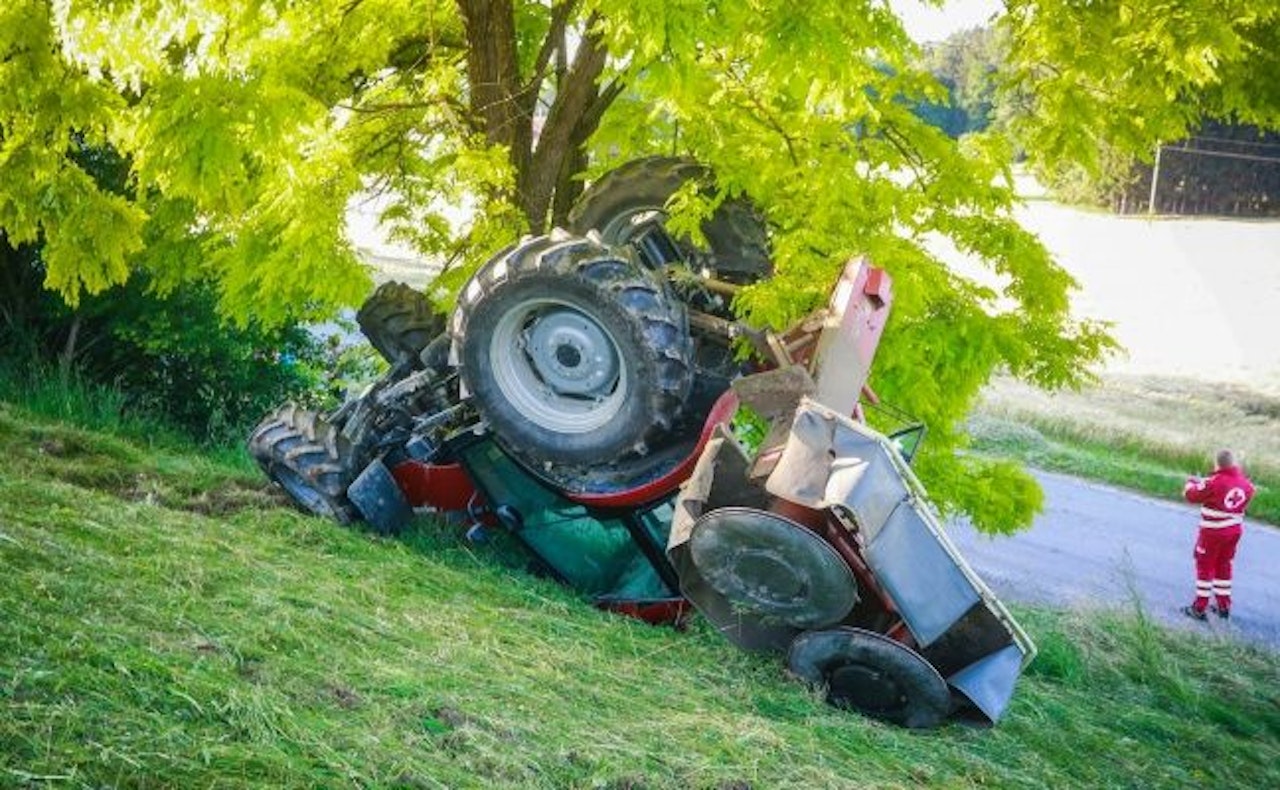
[
  {"x": 873, "y": 674},
  {"x": 772, "y": 567}
]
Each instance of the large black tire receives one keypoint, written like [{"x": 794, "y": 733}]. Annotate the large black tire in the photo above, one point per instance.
[
  {"x": 626, "y": 198},
  {"x": 574, "y": 353},
  {"x": 309, "y": 458},
  {"x": 399, "y": 322},
  {"x": 872, "y": 674}
]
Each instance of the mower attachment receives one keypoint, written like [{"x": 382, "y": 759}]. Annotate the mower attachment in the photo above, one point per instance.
[{"x": 839, "y": 482}]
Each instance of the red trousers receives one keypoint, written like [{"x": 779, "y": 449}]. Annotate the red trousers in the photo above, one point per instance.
[{"x": 1215, "y": 549}]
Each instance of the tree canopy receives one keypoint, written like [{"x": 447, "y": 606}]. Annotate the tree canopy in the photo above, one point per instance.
[
  {"x": 968, "y": 63},
  {"x": 248, "y": 126},
  {"x": 1108, "y": 75}
]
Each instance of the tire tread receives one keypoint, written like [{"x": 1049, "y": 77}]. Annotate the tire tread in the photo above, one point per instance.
[{"x": 304, "y": 443}]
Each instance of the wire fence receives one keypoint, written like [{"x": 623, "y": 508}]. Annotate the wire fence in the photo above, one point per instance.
[{"x": 1208, "y": 175}]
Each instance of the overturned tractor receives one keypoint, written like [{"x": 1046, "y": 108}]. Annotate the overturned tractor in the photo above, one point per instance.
[{"x": 582, "y": 396}]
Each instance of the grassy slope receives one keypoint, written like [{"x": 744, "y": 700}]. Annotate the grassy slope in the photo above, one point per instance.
[{"x": 163, "y": 622}]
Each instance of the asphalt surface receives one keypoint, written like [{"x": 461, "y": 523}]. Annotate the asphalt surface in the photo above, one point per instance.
[{"x": 1099, "y": 546}]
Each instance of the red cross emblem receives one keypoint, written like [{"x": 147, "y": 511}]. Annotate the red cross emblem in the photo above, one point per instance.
[{"x": 1234, "y": 499}]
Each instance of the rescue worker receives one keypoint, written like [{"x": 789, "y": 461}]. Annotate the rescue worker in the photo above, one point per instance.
[{"x": 1222, "y": 498}]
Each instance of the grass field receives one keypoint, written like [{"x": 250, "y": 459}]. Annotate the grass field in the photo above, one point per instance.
[
  {"x": 1192, "y": 303},
  {"x": 166, "y": 622},
  {"x": 1141, "y": 432}
]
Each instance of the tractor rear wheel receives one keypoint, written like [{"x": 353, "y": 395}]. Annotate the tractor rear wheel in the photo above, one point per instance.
[
  {"x": 399, "y": 322},
  {"x": 309, "y": 458},
  {"x": 628, "y": 206},
  {"x": 574, "y": 352},
  {"x": 631, "y": 199}
]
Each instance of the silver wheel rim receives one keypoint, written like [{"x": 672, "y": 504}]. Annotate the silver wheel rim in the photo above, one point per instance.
[{"x": 558, "y": 367}]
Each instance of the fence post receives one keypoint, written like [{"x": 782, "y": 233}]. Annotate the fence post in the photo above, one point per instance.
[{"x": 1155, "y": 178}]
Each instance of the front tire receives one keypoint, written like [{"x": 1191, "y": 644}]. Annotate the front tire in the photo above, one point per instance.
[
  {"x": 575, "y": 354},
  {"x": 309, "y": 458},
  {"x": 399, "y": 322}
]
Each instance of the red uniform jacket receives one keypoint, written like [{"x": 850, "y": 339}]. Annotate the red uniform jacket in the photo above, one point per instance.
[{"x": 1222, "y": 497}]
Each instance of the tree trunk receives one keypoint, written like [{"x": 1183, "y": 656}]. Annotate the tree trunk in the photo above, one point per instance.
[
  {"x": 576, "y": 94},
  {"x": 68, "y": 356},
  {"x": 505, "y": 106},
  {"x": 493, "y": 77}
]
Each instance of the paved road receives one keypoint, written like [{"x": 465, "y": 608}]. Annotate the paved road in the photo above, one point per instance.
[{"x": 1096, "y": 545}]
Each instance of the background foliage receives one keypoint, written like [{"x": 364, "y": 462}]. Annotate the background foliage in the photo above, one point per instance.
[
  {"x": 1098, "y": 86},
  {"x": 969, "y": 65},
  {"x": 161, "y": 344},
  {"x": 1214, "y": 165},
  {"x": 170, "y": 357}
]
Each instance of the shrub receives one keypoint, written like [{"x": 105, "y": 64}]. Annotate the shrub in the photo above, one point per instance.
[{"x": 170, "y": 357}]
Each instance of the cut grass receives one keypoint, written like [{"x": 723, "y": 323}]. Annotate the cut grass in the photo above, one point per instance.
[
  {"x": 1147, "y": 434},
  {"x": 162, "y": 474},
  {"x": 146, "y": 643}
]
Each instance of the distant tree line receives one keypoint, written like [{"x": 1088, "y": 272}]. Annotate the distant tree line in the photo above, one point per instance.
[
  {"x": 967, "y": 64},
  {"x": 1223, "y": 169}
]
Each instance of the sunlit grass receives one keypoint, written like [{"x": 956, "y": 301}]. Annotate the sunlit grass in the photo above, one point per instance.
[
  {"x": 148, "y": 642},
  {"x": 1148, "y": 434}
]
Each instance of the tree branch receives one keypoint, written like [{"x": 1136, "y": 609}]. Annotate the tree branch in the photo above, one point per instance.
[
  {"x": 575, "y": 95},
  {"x": 898, "y": 141},
  {"x": 396, "y": 106},
  {"x": 553, "y": 41},
  {"x": 591, "y": 118},
  {"x": 568, "y": 187},
  {"x": 765, "y": 115}
]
